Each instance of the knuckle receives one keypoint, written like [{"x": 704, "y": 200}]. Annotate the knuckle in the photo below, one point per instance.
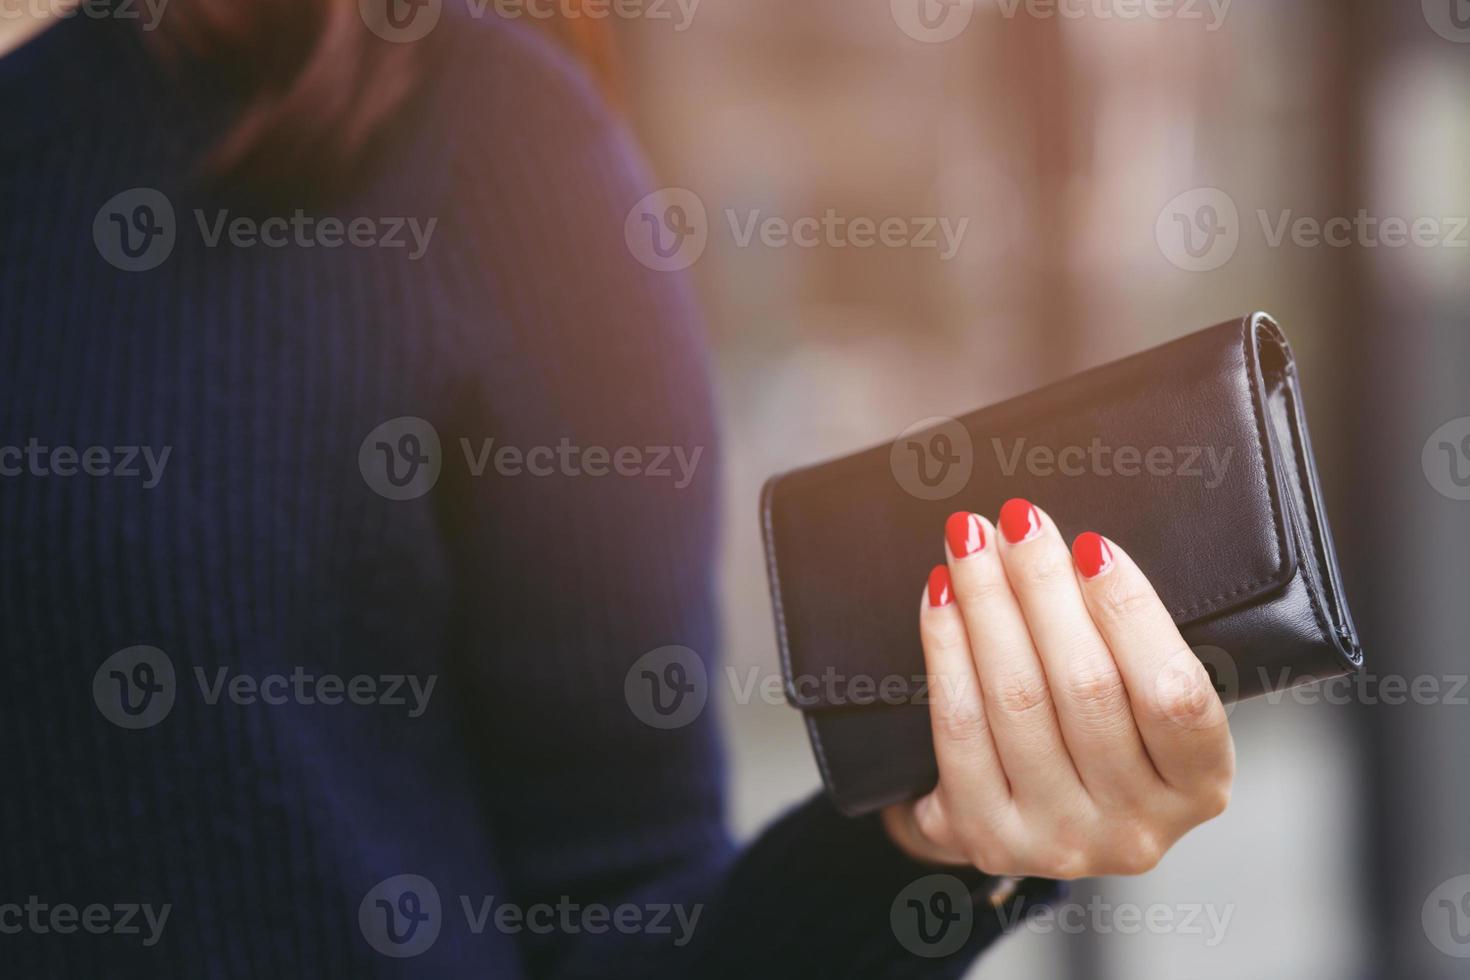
[
  {"x": 961, "y": 719},
  {"x": 932, "y": 820},
  {"x": 1096, "y": 685},
  {"x": 1187, "y": 697},
  {"x": 1043, "y": 569},
  {"x": 1139, "y": 853},
  {"x": 1067, "y": 864},
  {"x": 1121, "y": 600},
  {"x": 983, "y": 851},
  {"x": 1022, "y": 693},
  {"x": 1215, "y": 799},
  {"x": 942, "y": 634},
  {"x": 979, "y": 588}
]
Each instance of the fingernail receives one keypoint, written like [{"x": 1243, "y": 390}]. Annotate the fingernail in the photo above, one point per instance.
[
  {"x": 939, "y": 594},
  {"x": 1019, "y": 520},
  {"x": 965, "y": 533},
  {"x": 1091, "y": 553}
]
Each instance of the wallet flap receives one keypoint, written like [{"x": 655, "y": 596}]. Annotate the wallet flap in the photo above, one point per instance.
[{"x": 1168, "y": 451}]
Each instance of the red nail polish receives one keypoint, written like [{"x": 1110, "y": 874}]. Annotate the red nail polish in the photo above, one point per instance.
[
  {"x": 965, "y": 533},
  {"x": 939, "y": 593},
  {"x": 1092, "y": 554},
  {"x": 1019, "y": 521}
]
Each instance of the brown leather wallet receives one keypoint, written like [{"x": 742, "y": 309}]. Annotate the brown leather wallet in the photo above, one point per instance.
[{"x": 1194, "y": 456}]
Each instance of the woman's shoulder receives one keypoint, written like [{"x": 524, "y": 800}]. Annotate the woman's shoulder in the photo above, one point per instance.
[{"x": 494, "y": 69}]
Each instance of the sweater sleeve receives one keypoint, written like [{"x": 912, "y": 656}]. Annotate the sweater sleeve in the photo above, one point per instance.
[{"x": 584, "y": 550}]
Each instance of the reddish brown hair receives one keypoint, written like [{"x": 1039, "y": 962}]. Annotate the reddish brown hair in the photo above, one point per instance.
[{"x": 314, "y": 86}]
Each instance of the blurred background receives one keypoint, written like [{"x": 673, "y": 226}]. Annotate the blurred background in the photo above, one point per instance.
[{"x": 1129, "y": 172}]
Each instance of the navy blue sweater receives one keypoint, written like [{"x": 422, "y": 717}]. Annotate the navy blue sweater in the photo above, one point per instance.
[{"x": 219, "y": 626}]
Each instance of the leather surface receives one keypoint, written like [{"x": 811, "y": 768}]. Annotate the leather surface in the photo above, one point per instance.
[{"x": 1195, "y": 456}]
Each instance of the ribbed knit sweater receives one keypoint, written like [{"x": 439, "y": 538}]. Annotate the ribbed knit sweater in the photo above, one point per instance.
[{"x": 199, "y": 532}]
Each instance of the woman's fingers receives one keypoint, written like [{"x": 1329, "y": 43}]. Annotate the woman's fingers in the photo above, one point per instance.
[
  {"x": 1092, "y": 701},
  {"x": 1178, "y": 712},
  {"x": 970, "y": 769},
  {"x": 1013, "y": 684},
  {"x": 1076, "y": 734}
]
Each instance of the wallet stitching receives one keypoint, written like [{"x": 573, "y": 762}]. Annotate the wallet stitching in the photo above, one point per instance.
[
  {"x": 1213, "y": 603},
  {"x": 783, "y": 648}
]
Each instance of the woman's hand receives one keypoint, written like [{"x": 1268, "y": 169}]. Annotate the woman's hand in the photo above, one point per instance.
[{"x": 1076, "y": 732}]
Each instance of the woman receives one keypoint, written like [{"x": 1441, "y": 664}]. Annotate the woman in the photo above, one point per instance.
[{"x": 306, "y": 672}]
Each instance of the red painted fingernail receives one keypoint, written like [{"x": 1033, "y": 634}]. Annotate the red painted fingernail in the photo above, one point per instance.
[
  {"x": 1091, "y": 553},
  {"x": 1019, "y": 520},
  {"x": 965, "y": 533},
  {"x": 939, "y": 594}
]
